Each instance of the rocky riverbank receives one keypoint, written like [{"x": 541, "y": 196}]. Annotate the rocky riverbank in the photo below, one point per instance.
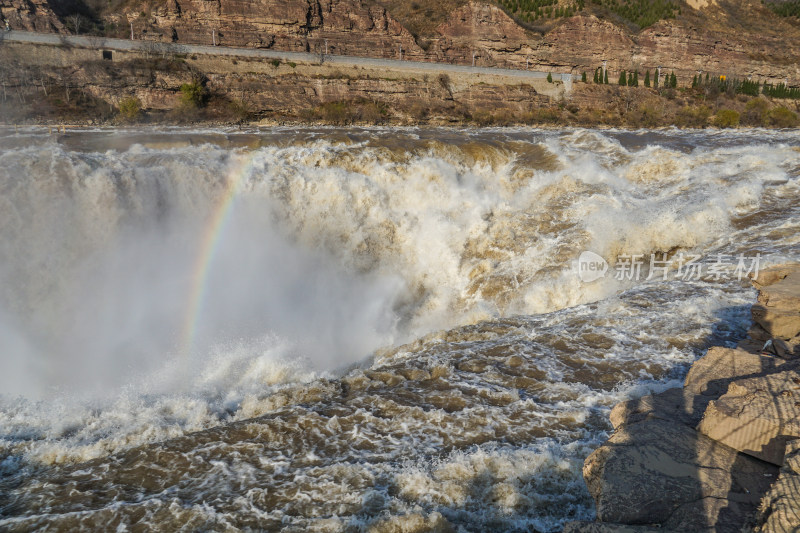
[
  {"x": 719, "y": 454},
  {"x": 76, "y": 85}
]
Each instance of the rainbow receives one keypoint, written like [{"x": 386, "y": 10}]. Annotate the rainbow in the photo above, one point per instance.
[{"x": 205, "y": 257}]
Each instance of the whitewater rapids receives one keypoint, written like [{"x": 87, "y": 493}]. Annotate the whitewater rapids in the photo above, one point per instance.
[{"x": 353, "y": 329}]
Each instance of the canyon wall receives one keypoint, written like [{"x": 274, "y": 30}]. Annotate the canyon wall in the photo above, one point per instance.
[
  {"x": 583, "y": 42},
  {"x": 734, "y": 37}
]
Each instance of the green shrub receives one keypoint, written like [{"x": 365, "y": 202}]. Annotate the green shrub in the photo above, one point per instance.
[
  {"x": 692, "y": 117},
  {"x": 238, "y": 110},
  {"x": 292, "y": 64},
  {"x": 193, "y": 94},
  {"x": 371, "y": 112},
  {"x": 780, "y": 117},
  {"x": 276, "y": 63},
  {"x": 788, "y": 8},
  {"x": 726, "y": 118},
  {"x": 130, "y": 109},
  {"x": 546, "y": 115},
  {"x": 336, "y": 113},
  {"x": 645, "y": 116},
  {"x": 756, "y": 112},
  {"x": 344, "y": 112},
  {"x": 549, "y": 78}
]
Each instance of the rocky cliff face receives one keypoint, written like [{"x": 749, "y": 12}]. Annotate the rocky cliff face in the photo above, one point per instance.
[
  {"x": 735, "y": 37},
  {"x": 31, "y": 15},
  {"x": 349, "y": 27},
  {"x": 583, "y": 42}
]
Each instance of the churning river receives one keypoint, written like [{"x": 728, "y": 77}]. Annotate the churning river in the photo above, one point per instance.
[{"x": 357, "y": 329}]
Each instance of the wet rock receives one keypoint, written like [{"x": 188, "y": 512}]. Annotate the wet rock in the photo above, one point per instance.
[
  {"x": 711, "y": 374},
  {"x": 781, "y": 323},
  {"x": 356, "y": 381},
  {"x": 750, "y": 345},
  {"x": 514, "y": 361},
  {"x": 788, "y": 350},
  {"x": 415, "y": 374},
  {"x": 449, "y": 402},
  {"x": 779, "y": 287},
  {"x": 757, "y": 333},
  {"x": 476, "y": 366},
  {"x": 677, "y": 404},
  {"x": 778, "y": 308},
  {"x": 388, "y": 378},
  {"x": 440, "y": 371},
  {"x": 664, "y": 472},
  {"x": 757, "y": 416},
  {"x": 412, "y": 523},
  {"x": 772, "y": 275}
]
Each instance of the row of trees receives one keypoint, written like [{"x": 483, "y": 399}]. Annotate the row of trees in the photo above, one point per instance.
[
  {"x": 599, "y": 76},
  {"x": 631, "y": 78},
  {"x": 748, "y": 87},
  {"x": 718, "y": 83},
  {"x": 781, "y": 91}
]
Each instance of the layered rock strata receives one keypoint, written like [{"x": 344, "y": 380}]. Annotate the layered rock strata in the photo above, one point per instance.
[{"x": 739, "y": 38}]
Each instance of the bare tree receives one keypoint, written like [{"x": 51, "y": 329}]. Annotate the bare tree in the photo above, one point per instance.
[
  {"x": 76, "y": 20},
  {"x": 66, "y": 78}
]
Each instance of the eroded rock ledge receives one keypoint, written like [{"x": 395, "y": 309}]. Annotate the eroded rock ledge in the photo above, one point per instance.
[{"x": 721, "y": 453}]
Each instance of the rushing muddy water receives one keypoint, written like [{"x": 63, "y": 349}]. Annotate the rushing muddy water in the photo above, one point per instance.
[{"x": 356, "y": 330}]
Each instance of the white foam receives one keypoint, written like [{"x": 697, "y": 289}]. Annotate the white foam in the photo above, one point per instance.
[{"x": 333, "y": 250}]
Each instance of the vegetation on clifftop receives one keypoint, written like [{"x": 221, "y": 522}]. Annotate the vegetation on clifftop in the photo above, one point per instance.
[
  {"x": 534, "y": 10},
  {"x": 790, "y": 8},
  {"x": 642, "y": 13}
]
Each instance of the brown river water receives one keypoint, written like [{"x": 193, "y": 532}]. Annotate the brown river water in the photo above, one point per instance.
[{"x": 330, "y": 329}]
